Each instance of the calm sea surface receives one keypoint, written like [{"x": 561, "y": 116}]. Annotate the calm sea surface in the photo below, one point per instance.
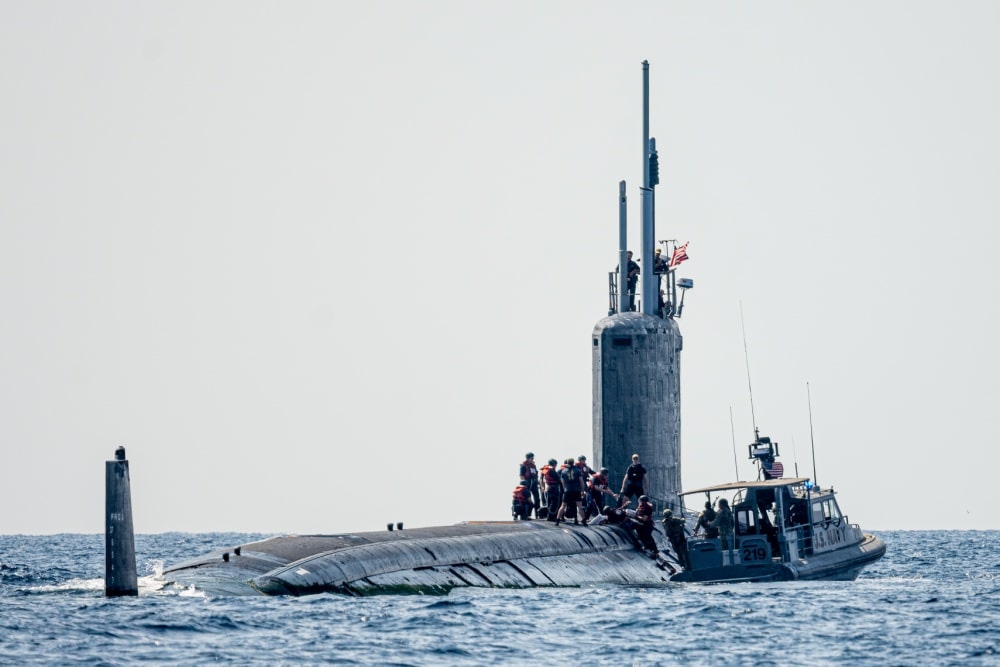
[{"x": 934, "y": 599}]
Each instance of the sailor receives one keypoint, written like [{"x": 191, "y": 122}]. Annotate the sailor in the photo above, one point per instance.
[
  {"x": 598, "y": 486},
  {"x": 521, "y": 505},
  {"x": 724, "y": 523},
  {"x": 635, "y": 481},
  {"x": 705, "y": 520},
  {"x": 660, "y": 268},
  {"x": 616, "y": 515},
  {"x": 552, "y": 489},
  {"x": 529, "y": 473},
  {"x": 674, "y": 528},
  {"x": 573, "y": 490},
  {"x": 643, "y": 523},
  {"x": 632, "y": 279}
]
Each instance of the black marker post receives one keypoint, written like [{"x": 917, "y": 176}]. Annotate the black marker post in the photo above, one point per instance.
[{"x": 119, "y": 538}]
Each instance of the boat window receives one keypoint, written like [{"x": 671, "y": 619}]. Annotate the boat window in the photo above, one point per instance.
[
  {"x": 825, "y": 510},
  {"x": 831, "y": 509},
  {"x": 746, "y": 522},
  {"x": 621, "y": 342}
]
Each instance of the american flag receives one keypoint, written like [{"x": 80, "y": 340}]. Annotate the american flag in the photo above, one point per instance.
[
  {"x": 680, "y": 254},
  {"x": 775, "y": 471}
]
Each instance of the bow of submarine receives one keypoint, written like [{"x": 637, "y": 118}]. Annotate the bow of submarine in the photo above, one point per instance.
[{"x": 422, "y": 560}]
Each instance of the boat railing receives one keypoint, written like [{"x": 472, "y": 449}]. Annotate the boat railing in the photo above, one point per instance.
[
  {"x": 802, "y": 537},
  {"x": 612, "y": 292}
]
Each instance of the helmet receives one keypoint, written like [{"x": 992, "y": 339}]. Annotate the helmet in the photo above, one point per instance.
[
  {"x": 604, "y": 471},
  {"x": 529, "y": 455},
  {"x": 668, "y": 513},
  {"x": 524, "y": 482},
  {"x": 643, "y": 499},
  {"x": 708, "y": 504},
  {"x": 553, "y": 462},
  {"x": 581, "y": 457}
]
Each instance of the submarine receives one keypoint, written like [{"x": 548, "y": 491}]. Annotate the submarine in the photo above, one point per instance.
[
  {"x": 636, "y": 351},
  {"x": 636, "y": 410}
]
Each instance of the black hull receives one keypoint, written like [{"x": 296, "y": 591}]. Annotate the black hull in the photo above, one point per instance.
[{"x": 424, "y": 560}]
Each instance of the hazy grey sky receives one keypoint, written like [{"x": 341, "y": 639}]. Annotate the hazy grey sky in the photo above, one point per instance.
[{"x": 320, "y": 266}]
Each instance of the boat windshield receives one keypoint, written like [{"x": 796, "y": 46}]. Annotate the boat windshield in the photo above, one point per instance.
[{"x": 825, "y": 509}]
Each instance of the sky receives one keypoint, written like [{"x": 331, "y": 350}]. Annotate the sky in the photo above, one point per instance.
[{"x": 320, "y": 266}]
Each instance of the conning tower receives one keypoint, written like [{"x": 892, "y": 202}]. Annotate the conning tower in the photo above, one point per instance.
[{"x": 636, "y": 351}]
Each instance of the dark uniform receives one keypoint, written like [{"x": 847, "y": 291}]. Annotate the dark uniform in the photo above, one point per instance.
[
  {"x": 632, "y": 279},
  {"x": 632, "y": 484},
  {"x": 643, "y": 522},
  {"x": 674, "y": 528},
  {"x": 705, "y": 520},
  {"x": 573, "y": 489},
  {"x": 529, "y": 473},
  {"x": 724, "y": 523}
]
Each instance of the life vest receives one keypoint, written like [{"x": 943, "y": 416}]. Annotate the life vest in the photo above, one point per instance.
[
  {"x": 598, "y": 483},
  {"x": 520, "y": 493},
  {"x": 528, "y": 470},
  {"x": 644, "y": 512},
  {"x": 550, "y": 475}
]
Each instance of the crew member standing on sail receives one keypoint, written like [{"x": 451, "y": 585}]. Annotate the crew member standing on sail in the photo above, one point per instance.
[
  {"x": 635, "y": 481},
  {"x": 553, "y": 488},
  {"x": 660, "y": 268},
  {"x": 529, "y": 474},
  {"x": 633, "y": 280}
]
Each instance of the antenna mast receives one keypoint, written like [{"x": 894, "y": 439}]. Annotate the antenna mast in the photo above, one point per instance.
[
  {"x": 812, "y": 442},
  {"x": 746, "y": 355},
  {"x": 732, "y": 430}
]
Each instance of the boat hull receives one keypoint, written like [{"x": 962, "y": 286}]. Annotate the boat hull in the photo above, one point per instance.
[
  {"x": 844, "y": 564},
  {"x": 424, "y": 560}
]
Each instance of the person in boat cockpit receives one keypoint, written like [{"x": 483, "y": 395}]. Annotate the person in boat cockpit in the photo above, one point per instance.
[
  {"x": 705, "y": 520},
  {"x": 724, "y": 523}
]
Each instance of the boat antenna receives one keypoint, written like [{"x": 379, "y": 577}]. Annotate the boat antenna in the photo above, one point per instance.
[
  {"x": 732, "y": 429},
  {"x": 795, "y": 456},
  {"x": 746, "y": 355},
  {"x": 812, "y": 441}
]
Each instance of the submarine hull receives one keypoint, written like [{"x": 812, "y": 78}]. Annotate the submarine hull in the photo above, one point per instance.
[{"x": 435, "y": 560}]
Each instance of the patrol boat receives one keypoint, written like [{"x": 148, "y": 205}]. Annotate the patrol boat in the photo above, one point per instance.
[{"x": 783, "y": 529}]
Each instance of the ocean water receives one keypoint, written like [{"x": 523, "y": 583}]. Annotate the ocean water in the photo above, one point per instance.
[{"x": 934, "y": 599}]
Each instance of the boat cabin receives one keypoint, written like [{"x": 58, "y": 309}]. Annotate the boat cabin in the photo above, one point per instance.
[{"x": 776, "y": 522}]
